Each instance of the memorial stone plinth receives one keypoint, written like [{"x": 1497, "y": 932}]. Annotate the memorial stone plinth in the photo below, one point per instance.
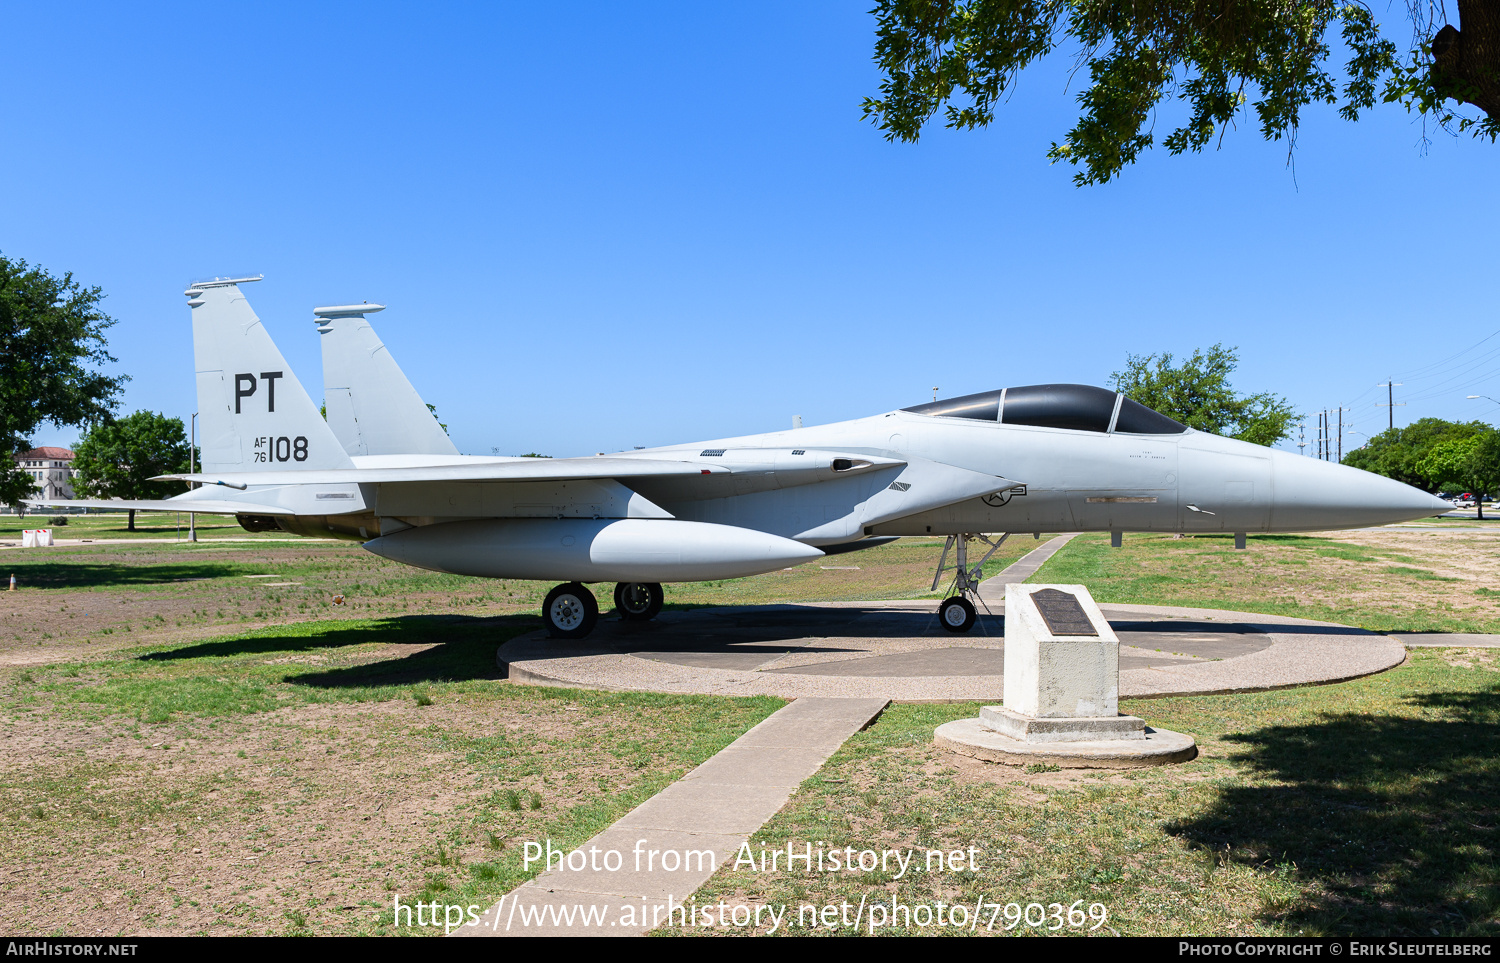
[
  {"x": 1062, "y": 669},
  {"x": 1062, "y": 692}
]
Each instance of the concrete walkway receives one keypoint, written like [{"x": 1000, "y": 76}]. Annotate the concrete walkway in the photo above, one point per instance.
[
  {"x": 992, "y": 589},
  {"x": 667, "y": 847}
]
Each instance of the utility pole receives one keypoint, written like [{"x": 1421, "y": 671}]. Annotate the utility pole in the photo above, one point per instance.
[
  {"x": 1302, "y": 438},
  {"x": 1341, "y": 434},
  {"x": 1390, "y": 395},
  {"x": 192, "y": 470}
]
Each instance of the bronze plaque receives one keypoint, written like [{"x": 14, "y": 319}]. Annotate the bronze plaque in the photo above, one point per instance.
[{"x": 1063, "y": 613}]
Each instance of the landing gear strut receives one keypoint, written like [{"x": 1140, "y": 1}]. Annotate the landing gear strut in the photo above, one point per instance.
[
  {"x": 638, "y": 601},
  {"x": 957, "y": 613},
  {"x": 570, "y": 611}
]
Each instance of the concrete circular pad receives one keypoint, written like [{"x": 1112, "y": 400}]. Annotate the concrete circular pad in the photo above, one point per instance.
[
  {"x": 897, "y": 650},
  {"x": 1161, "y": 747}
]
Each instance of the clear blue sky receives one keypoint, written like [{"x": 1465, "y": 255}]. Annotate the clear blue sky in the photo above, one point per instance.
[{"x": 603, "y": 225}]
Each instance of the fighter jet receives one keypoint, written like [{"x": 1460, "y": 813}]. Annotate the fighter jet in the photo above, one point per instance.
[{"x": 1056, "y": 457}]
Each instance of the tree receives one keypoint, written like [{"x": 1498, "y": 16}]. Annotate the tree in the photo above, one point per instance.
[
  {"x": 51, "y": 334},
  {"x": 1403, "y": 453},
  {"x": 1197, "y": 393},
  {"x": 1217, "y": 57},
  {"x": 116, "y": 458},
  {"x": 1471, "y": 463}
]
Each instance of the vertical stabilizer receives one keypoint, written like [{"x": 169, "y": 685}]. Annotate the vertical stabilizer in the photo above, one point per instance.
[
  {"x": 372, "y": 407},
  {"x": 253, "y": 412}
]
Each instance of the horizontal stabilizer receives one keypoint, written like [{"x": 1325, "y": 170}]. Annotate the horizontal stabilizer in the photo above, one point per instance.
[{"x": 201, "y": 506}]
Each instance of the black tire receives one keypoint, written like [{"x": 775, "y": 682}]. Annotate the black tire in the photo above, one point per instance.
[
  {"x": 570, "y": 611},
  {"x": 957, "y": 615},
  {"x": 638, "y": 601}
]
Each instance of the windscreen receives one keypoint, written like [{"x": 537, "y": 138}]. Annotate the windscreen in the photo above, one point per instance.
[
  {"x": 1136, "y": 419},
  {"x": 981, "y": 407}
]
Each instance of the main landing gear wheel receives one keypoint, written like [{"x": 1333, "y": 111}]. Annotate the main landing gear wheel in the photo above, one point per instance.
[
  {"x": 570, "y": 611},
  {"x": 957, "y": 614},
  {"x": 638, "y": 601}
]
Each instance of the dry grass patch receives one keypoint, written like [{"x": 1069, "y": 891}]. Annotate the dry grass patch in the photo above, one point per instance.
[{"x": 297, "y": 779}]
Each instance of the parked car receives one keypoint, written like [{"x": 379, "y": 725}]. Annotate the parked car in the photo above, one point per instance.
[{"x": 1466, "y": 500}]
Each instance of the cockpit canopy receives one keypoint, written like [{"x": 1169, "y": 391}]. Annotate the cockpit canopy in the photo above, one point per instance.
[{"x": 1076, "y": 407}]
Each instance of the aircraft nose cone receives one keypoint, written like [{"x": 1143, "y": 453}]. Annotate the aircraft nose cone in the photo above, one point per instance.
[{"x": 1313, "y": 495}]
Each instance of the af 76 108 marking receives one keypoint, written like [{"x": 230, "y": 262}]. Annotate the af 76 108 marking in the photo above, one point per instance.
[{"x": 268, "y": 449}]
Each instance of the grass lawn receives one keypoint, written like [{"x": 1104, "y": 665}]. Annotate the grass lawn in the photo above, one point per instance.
[
  {"x": 292, "y": 780},
  {"x": 1385, "y": 580},
  {"x": 185, "y": 748},
  {"x": 113, "y": 525}
]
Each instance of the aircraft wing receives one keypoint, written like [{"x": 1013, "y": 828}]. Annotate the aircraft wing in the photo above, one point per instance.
[
  {"x": 868, "y": 488},
  {"x": 528, "y": 470},
  {"x": 203, "y": 506}
]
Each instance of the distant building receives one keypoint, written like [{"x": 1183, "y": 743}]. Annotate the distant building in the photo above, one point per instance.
[{"x": 52, "y": 468}]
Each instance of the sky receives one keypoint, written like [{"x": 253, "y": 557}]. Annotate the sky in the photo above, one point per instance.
[{"x": 599, "y": 226}]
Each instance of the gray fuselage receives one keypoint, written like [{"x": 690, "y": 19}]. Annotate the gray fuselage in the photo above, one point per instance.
[{"x": 1074, "y": 481}]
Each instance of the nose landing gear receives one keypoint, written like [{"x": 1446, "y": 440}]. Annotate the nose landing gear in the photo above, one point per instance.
[{"x": 958, "y": 613}]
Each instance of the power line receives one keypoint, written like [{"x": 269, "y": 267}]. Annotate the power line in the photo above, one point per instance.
[
  {"x": 1463, "y": 370},
  {"x": 1456, "y": 375},
  {"x": 1418, "y": 372}
]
